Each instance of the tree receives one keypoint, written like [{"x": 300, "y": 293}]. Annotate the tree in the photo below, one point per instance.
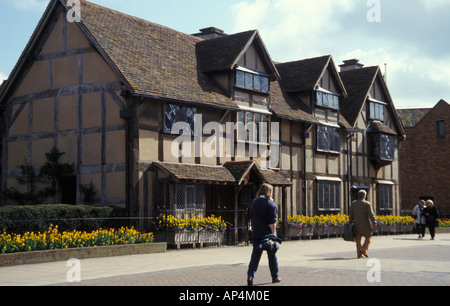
[
  {"x": 52, "y": 169},
  {"x": 50, "y": 172}
]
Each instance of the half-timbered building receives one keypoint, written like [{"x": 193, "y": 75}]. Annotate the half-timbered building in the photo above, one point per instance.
[{"x": 159, "y": 119}]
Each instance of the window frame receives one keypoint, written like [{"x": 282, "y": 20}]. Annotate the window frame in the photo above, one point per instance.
[
  {"x": 385, "y": 195},
  {"x": 254, "y": 129},
  {"x": 328, "y": 194},
  {"x": 335, "y": 98},
  {"x": 181, "y": 113},
  {"x": 249, "y": 76},
  {"x": 182, "y": 201},
  {"x": 376, "y": 108},
  {"x": 331, "y": 133},
  {"x": 440, "y": 128}
]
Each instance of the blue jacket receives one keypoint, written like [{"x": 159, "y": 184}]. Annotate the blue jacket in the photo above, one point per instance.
[{"x": 263, "y": 212}]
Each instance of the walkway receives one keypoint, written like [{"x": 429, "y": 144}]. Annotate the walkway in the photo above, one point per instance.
[{"x": 403, "y": 260}]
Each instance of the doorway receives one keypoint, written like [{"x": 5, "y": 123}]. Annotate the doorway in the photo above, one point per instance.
[{"x": 68, "y": 190}]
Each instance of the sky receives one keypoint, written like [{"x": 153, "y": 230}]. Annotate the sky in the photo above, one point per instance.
[{"x": 408, "y": 39}]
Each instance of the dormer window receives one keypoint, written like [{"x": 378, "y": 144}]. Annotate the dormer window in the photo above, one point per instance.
[
  {"x": 376, "y": 111},
  {"x": 252, "y": 80},
  {"x": 327, "y": 98}
]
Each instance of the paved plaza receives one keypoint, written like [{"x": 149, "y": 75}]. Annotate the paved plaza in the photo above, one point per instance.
[{"x": 394, "y": 261}]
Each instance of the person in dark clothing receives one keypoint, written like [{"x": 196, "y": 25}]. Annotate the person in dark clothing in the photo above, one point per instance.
[
  {"x": 264, "y": 214},
  {"x": 431, "y": 216}
]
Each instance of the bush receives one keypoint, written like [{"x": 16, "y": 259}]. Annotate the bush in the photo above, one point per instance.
[{"x": 37, "y": 218}]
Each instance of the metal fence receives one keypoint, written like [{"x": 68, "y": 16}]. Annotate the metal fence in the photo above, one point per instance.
[{"x": 236, "y": 221}]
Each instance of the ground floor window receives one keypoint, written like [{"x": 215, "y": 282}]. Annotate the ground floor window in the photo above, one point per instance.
[
  {"x": 189, "y": 197},
  {"x": 328, "y": 195},
  {"x": 385, "y": 197}
]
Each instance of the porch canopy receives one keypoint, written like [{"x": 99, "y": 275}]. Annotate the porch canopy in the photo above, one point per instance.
[
  {"x": 234, "y": 173},
  {"x": 230, "y": 173}
]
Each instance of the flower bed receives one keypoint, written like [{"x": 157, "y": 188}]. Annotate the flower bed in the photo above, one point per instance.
[
  {"x": 326, "y": 226},
  {"x": 444, "y": 223},
  {"x": 53, "y": 239},
  {"x": 193, "y": 230}
]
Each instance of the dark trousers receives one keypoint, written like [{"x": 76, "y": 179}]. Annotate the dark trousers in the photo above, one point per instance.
[
  {"x": 431, "y": 227},
  {"x": 256, "y": 257},
  {"x": 420, "y": 229}
]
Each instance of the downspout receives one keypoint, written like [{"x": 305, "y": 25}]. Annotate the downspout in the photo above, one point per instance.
[
  {"x": 304, "y": 169},
  {"x": 349, "y": 171}
]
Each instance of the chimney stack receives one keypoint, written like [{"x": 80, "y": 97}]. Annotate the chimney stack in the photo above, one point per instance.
[
  {"x": 210, "y": 33},
  {"x": 351, "y": 64}
]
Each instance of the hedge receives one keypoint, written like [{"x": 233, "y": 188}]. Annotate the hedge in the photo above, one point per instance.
[{"x": 37, "y": 218}]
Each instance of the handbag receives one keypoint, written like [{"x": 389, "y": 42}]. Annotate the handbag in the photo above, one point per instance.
[{"x": 349, "y": 235}]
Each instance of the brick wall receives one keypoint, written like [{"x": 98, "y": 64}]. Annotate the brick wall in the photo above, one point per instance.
[{"x": 425, "y": 161}]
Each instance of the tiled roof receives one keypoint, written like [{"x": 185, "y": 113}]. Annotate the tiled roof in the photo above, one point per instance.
[
  {"x": 221, "y": 53},
  {"x": 302, "y": 75},
  {"x": 230, "y": 173},
  {"x": 285, "y": 106},
  {"x": 161, "y": 62},
  {"x": 379, "y": 127},
  {"x": 239, "y": 169},
  {"x": 190, "y": 172},
  {"x": 358, "y": 83},
  {"x": 410, "y": 117},
  {"x": 154, "y": 60},
  {"x": 275, "y": 178}
]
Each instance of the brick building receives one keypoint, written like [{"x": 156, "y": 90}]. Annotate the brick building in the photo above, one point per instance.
[{"x": 424, "y": 156}]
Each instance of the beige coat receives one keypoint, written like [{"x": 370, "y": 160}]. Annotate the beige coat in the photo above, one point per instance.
[{"x": 362, "y": 217}]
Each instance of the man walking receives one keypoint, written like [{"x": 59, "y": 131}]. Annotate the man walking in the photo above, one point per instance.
[
  {"x": 264, "y": 215},
  {"x": 363, "y": 219}
]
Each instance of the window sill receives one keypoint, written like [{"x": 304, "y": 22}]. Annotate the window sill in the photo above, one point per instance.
[
  {"x": 252, "y": 90},
  {"x": 328, "y": 152}
]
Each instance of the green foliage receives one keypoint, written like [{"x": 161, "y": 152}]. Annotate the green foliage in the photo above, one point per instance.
[
  {"x": 89, "y": 193},
  {"x": 48, "y": 174}
]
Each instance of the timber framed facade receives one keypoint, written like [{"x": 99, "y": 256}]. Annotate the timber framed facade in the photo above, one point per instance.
[{"x": 110, "y": 96}]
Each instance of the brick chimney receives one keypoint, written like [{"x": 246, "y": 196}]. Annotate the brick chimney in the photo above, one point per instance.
[
  {"x": 351, "y": 64},
  {"x": 209, "y": 33}
]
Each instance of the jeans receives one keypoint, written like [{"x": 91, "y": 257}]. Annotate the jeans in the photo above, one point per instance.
[{"x": 256, "y": 257}]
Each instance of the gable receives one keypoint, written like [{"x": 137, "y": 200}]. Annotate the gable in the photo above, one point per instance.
[{"x": 252, "y": 59}]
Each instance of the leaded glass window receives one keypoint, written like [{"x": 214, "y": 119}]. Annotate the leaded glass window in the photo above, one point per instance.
[
  {"x": 387, "y": 146},
  {"x": 189, "y": 197},
  {"x": 178, "y": 113},
  {"x": 376, "y": 111},
  {"x": 328, "y": 195},
  {"x": 327, "y": 99},
  {"x": 252, "y": 81},
  {"x": 328, "y": 139},
  {"x": 385, "y": 197},
  {"x": 253, "y": 127}
]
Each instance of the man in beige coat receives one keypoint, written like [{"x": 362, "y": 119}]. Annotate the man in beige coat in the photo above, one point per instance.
[{"x": 363, "y": 219}]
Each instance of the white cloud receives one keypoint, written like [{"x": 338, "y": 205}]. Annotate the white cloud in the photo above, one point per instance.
[
  {"x": 34, "y": 5},
  {"x": 406, "y": 39},
  {"x": 435, "y": 4},
  {"x": 2, "y": 77}
]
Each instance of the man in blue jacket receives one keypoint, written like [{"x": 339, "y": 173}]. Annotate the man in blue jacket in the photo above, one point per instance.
[{"x": 264, "y": 214}]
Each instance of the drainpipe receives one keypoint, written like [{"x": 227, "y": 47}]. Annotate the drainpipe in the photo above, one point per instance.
[{"x": 349, "y": 170}]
